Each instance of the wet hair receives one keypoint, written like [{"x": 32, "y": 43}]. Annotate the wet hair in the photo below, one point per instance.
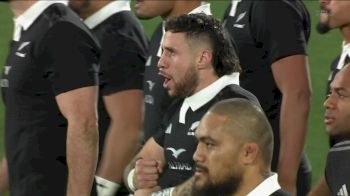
[
  {"x": 248, "y": 122},
  {"x": 207, "y": 28}
]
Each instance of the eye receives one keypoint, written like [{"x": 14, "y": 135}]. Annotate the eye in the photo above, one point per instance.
[
  {"x": 209, "y": 145},
  {"x": 341, "y": 96}
]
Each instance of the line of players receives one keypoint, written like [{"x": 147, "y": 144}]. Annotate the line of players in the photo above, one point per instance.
[{"x": 184, "y": 67}]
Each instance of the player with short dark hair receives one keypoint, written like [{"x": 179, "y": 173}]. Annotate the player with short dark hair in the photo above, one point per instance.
[
  {"x": 233, "y": 155},
  {"x": 192, "y": 76},
  {"x": 334, "y": 15},
  {"x": 156, "y": 98}
]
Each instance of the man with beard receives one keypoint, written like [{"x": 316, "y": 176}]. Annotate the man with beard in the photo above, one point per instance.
[
  {"x": 200, "y": 69},
  {"x": 156, "y": 98},
  {"x": 334, "y": 14},
  {"x": 233, "y": 155},
  {"x": 271, "y": 38},
  {"x": 123, "y": 56},
  {"x": 49, "y": 87},
  {"x": 336, "y": 180}
]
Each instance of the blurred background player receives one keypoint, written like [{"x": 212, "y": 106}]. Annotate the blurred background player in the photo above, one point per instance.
[
  {"x": 49, "y": 87},
  {"x": 271, "y": 39},
  {"x": 123, "y": 55}
]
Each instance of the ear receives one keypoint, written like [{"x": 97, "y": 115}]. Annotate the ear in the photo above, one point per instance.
[
  {"x": 250, "y": 153},
  {"x": 204, "y": 59}
]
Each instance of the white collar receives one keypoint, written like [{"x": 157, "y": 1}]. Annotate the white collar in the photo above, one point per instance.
[
  {"x": 203, "y": 96},
  {"x": 345, "y": 52},
  {"x": 266, "y": 187},
  {"x": 203, "y": 8},
  {"x": 234, "y": 4},
  {"x": 107, "y": 11},
  {"x": 27, "y": 18}
]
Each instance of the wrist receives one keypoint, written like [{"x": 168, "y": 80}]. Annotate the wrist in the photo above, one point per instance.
[
  {"x": 130, "y": 180},
  {"x": 105, "y": 187},
  {"x": 164, "y": 192}
]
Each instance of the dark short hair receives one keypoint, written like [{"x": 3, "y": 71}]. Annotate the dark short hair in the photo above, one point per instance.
[{"x": 225, "y": 60}]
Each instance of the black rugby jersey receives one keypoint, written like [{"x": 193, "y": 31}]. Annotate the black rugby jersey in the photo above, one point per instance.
[
  {"x": 338, "y": 168},
  {"x": 176, "y": 135},
  {"x": 54, "y": 54},
  {"x": 123, "y": 54},
  {"x": 260, "y": 43}
]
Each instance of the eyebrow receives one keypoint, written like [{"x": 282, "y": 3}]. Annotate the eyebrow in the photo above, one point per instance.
[
  {"x": 341, "y": 89},
  {"x": 204, "y": 138},
  {"x": 170, "y": 49}
]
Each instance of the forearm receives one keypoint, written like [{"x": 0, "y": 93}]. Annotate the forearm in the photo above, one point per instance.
[
  {"x": 293, "y": 128},
  {"x": 4, "y": 183},
  {"x": 82, "y": 148},
  {"x": 119, "y": 152}
]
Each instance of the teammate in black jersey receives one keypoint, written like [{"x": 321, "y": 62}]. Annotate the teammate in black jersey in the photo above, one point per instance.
[
  {"x": 199, "y": 68},
  {"x": 49, "y": 87},
  {"x": 271, "y": 39},
  {"x": 156, "y": 98},
  {"x": 123, "y": 56},
  {"x": 336, "y": 180},
  {"x": 334, "y": 15},
  {"x": 233, "y": 155}
]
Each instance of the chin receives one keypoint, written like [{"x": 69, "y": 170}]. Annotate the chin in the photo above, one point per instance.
[{"x": 200, "y": 182}]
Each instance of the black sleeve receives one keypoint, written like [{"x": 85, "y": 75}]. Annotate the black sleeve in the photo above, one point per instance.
[
  {"x": 159, "y": 136},
  {"x": 279, "y": 28},
  {"x": 166, "y": 121},
  {"x": 70, "y": 58},
  {"x": 122, "y": 65}
]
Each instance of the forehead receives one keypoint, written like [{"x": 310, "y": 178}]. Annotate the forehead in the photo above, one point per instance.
[
  {"x": 174, "y": 39},
  {"x": 342, "y": 78},
  {"x": 212, "y": 126}
]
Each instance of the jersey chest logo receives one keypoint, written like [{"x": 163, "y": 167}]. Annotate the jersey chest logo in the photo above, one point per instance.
[
  {"x": 176, "y": 153},
  {"x": 20, "y": 48},
  {"x": 193, "y": 128}
]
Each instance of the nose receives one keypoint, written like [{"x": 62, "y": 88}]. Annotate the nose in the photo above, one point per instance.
[
  {"x": 329, "y": 103},
  {"x": 324, "y": 2},
  {"x": 198, "y": 156},
  {"x": 161, "y": 61}
]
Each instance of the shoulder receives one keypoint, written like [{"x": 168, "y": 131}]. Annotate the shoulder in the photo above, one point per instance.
[{"x": 235, "y": 91}]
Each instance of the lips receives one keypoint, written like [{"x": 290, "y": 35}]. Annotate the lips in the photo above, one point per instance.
[
  {"x": 200, "y": 170},
  {"x": 328, "y": 120},
  {"x": 167, "y": 79}
]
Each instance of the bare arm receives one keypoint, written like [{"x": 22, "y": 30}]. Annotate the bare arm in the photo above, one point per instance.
[
  {"x": 147, "y": 164},
  {"x": 121, "y": 143},
  {"x": 292, "y": 78},
  {"x": 4, "y": 183},
  {"x": 320, "y": 189},
  {"x": 79, "y": 108}
]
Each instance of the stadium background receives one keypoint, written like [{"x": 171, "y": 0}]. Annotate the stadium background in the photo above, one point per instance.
[{"x": 322, "y": 50}]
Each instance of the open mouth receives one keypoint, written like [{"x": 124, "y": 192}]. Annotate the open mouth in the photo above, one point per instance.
[{"x": 167, "y": 79}]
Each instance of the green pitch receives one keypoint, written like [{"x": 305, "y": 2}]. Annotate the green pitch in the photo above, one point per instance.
[{"x": 322, "y": 50}]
